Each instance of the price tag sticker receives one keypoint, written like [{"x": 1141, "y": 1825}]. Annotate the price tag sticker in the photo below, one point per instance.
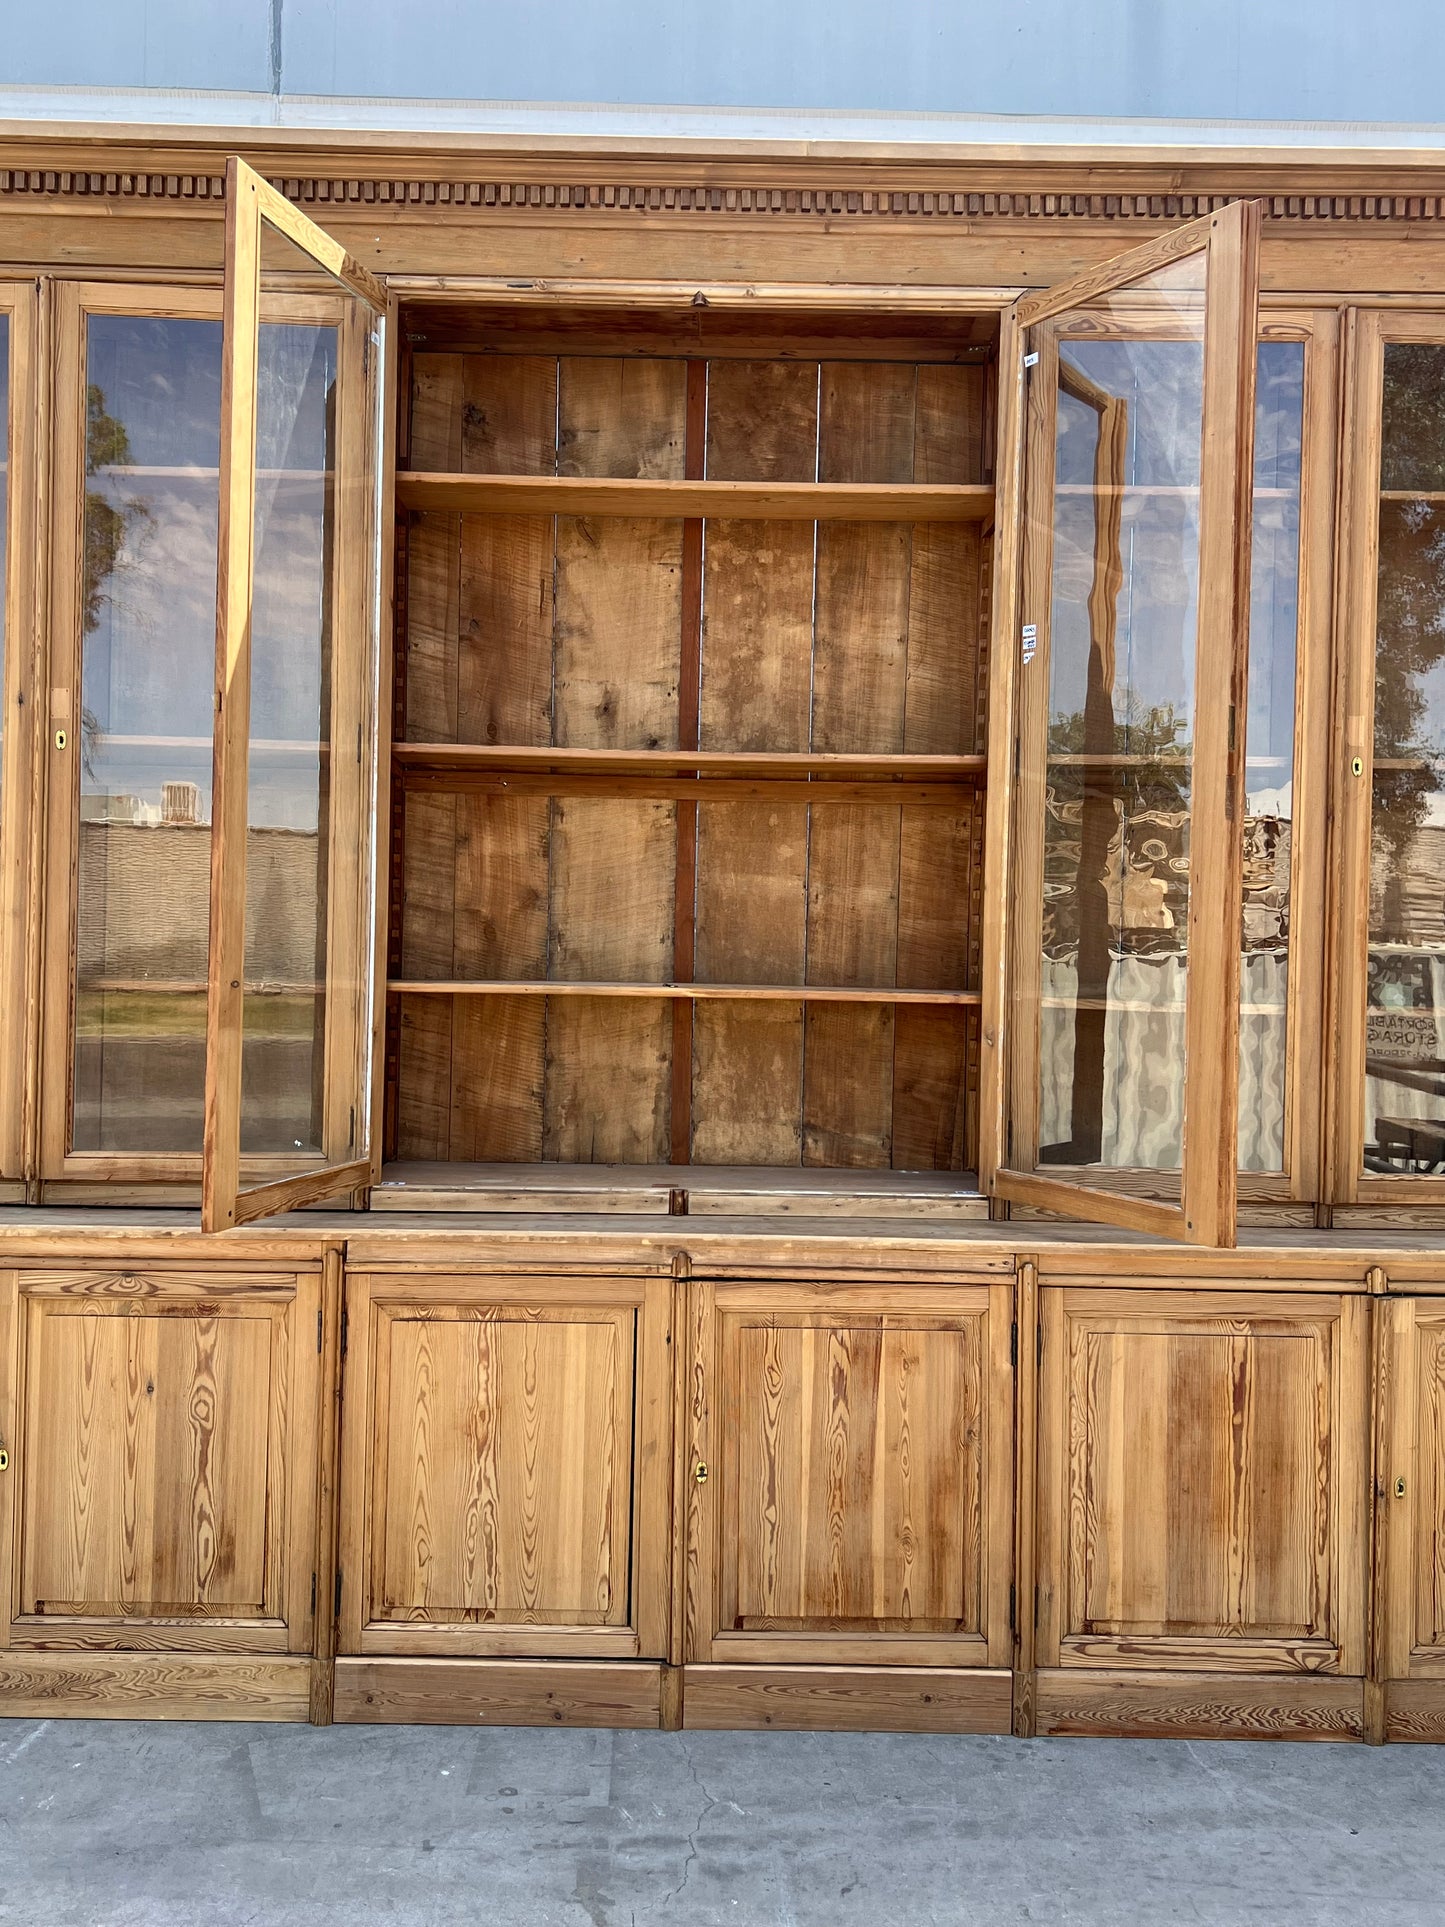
[{"x": 1031, "y": 641}]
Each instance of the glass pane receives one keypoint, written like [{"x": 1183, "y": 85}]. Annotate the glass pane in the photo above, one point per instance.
[
  {"x": 148, "y": 609},
  {"x": 1269, "y": 753},
  {"x": 4, "y": 495},
  {"x": 1404, "y": 1044},
  {"x": 289, "y": 780},
  {"x": 1123, "y": 621}
]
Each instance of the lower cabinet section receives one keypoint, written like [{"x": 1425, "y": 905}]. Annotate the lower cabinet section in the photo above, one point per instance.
[
  {"x": 601, "y": 1499},
  {"x": 159, "y": 1513}
]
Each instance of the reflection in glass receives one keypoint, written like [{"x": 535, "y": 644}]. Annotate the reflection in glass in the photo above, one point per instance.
[
  {"x": 148, "y": 611},
  {"x": 1269, "y": 753},
  {"x": 1123, "y": 620},
  {"x": 1405, "y": 1020},
  {"x": 288, "y": 785},
  {"x": 4, "y": 494}
]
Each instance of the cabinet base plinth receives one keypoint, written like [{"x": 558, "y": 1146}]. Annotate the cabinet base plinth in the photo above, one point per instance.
[
  {"x": 839, "y": 1699},
  {"x": 154, "y": 1686},
  {"x": 1200, "y": 1706},
  {"x": 498, "y": 1692},
  {"x": 1415, "y": 1709}
]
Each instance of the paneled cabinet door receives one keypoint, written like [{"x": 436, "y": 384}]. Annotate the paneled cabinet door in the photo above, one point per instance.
[
  {"x": 162, "y": 1435},
  {"x": 849, "y": 1480},
  {"x": 1410, "y": 1510},
  {"x": 506, "y": 1467},
  {"x": 1202, "y": 1478}
]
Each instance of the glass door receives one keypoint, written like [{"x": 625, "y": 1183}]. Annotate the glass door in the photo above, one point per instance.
[
  {"x": 289, "y": 1001},
  {"x": 1128, "y": 693}
]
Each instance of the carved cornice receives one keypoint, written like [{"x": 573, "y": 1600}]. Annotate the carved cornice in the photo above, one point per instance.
[{"x": 19, "y": 186}]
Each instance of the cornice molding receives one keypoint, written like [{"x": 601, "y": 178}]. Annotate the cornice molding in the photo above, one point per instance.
[{"x": 695, "y": 197}]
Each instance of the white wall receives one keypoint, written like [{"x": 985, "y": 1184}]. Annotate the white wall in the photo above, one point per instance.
[{"x": 1294, "y": 60}]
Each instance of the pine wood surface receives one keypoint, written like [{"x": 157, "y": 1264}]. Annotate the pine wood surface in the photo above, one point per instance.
[{"x": 836, "y": 898}]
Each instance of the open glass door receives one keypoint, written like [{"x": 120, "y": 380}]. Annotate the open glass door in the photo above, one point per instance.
[
  {"x": 1128, "y": 697},
  {"x": 289, "y": 1011}
]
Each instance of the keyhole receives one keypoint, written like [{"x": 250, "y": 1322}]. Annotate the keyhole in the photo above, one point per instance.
[{"x": 150, "y": 1388}]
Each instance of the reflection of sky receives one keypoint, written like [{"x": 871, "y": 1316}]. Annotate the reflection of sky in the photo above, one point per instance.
[
  {"x": 1161, "y": 384},
  {"x": 1157, "y": 606},
  {"x": 1274, "y": 586},
  {"x": 149, "y": 662}
]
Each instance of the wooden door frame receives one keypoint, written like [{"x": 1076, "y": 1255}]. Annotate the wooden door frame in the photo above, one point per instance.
[
  {"x": 286, "y": 1297},
  {"x": 1371, "y": 328},
  {"x": 1206, "y": 1213},
  {"x": 708, "y": 1434},
  {"x": 25, "y": 307},
  {"x": 1237, "y": 1304},
  {"x": 371, "y": 1294},
  {"x": 74, "y": 302}
]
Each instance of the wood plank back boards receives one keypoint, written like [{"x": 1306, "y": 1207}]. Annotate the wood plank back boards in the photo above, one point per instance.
[{"x": 569, "y": 632}]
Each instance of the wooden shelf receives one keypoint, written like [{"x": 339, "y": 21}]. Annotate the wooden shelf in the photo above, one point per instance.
[
  {"x": 732, "y": 993},
  {"x": 750, "y": 501},
  {"x": 682, "y": 762}
]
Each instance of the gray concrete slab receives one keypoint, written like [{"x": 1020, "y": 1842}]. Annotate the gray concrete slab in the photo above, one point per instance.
[{"x": 147, "y": 1825}]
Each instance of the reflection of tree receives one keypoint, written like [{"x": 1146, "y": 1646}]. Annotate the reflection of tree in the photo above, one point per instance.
[
  {"x": 1135, "y": 869},
  {"x": 107, "y": 525}
]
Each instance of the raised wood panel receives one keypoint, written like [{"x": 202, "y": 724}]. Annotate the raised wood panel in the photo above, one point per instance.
[
  {"x": 164, "y": 1435},
  {"x": 502, "y": 1466},
  {"x": 850, "y": 1478},
  {"x": 1202, "y": 1476},
  {"x": 505, "y": 1469}
]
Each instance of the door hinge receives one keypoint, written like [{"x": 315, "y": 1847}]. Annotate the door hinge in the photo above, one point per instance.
[
  {"x": 345, "y": 1327},
  {"x": 1012, "y": 1601},
  {"x": 1036, "y": 1608},
  {"x": 336, "y": 1604},
  {"x": 1013, "y": 1344},
  {"x": 1038, "y": 1344},
  {"x": 318, "y": 1333},
  {"x": 351, "y": 1140},
  {"x": 313, "y": 1595}
]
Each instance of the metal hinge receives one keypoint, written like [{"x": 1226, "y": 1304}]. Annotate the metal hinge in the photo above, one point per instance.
[
  {"x": 351, "y": 1127},
  {"x": 318, "y": 1331},
  {"x": 1039, "y": 1344},
  {"x": 1012, "y": 1598},
  {"x": 313, "y": 1595},
  {"x": 1013, "y": 1344},
  {"x": 337, "y": 1602},
  {"x": 345, "y": 1325}
]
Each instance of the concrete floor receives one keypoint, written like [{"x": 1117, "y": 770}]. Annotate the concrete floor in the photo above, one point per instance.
[{"x": 146, "y": 1825}]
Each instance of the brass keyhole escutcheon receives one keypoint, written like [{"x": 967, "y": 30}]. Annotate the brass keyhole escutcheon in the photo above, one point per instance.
[
  {"x": 701, "y": 1475},
  {"x": 61, "y": 739},
  {"x": 1399, "y": 1488},
  {"x": 1357, "y": 766},
  {"x": 4, "y": 1459}
]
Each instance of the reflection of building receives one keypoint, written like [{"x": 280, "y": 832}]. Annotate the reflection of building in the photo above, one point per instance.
[
  {"x": 146, "y": 892},
  {"x": 140, "y": 1044}
]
